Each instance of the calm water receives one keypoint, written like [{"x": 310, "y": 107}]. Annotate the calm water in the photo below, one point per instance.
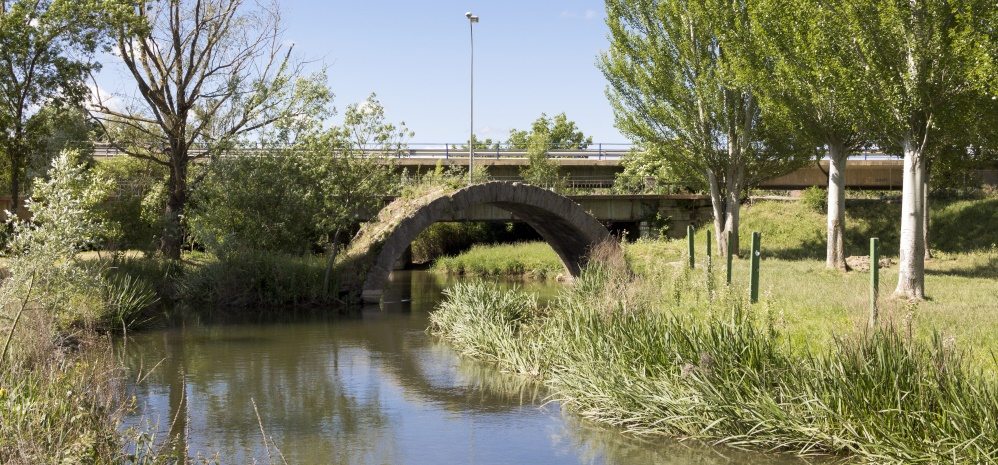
[{"x": 368, "y": 389}]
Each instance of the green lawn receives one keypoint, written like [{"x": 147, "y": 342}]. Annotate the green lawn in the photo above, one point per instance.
[{"x": 812, "y": 304}]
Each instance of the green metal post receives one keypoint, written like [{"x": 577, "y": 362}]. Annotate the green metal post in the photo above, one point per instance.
[
  {"x": 754, "y": 289},
  {"x": 690, "y": 245},
  {"x": 730, "y": 254},
  {"x": 874, "y": 279},
  {"x": 708, "y": 245}
]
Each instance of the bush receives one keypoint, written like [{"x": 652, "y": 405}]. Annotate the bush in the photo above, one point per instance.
[
  {"x": 58, "y": 403},
  {"x": 815, "y": 199},
  {"x": 135, "y": 208}
]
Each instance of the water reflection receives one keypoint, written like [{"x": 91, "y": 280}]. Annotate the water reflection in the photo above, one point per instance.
[{"x": 371, "y": 388}]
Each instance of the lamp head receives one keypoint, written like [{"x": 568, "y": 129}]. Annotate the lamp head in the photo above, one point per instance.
[{"x": 471, "y": 17}]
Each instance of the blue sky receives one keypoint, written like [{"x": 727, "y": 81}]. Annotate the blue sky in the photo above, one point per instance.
[{"x": 530, "y": 57}]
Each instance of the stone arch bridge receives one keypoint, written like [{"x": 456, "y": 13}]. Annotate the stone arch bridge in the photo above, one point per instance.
[{"x": 369, "y": 259}]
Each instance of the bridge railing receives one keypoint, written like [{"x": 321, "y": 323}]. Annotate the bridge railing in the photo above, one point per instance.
[{"x": 594, "y": 151}]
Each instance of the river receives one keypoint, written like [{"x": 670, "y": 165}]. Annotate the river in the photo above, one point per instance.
[{"x": 371, "y": 388}]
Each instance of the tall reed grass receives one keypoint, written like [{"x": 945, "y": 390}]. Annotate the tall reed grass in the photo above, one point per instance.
[{"x": 610, "y": 349}]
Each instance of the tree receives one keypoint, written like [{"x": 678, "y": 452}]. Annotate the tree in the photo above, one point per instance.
[
  {"x": 541, "y": 171},
  {"x": 354, "y": 183},
  {"x": 320, "y": 179},
  {"x": 48, "y": 50},
  {"x": 916, "y": 76},
  {"x": 209, "y": 74},
  {"x": 675, "y": 73},
  {"x": 562, "y": 133},
  {"x": 809, "y": 79},
  {"x": 486, "y": 144}
]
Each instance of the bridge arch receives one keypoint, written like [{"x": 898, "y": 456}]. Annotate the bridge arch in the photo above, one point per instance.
[{"x": 563, "y": 224}]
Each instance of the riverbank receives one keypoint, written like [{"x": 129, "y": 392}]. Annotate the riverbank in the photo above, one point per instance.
[
  {"x": 677, "y": 352},
  {"x": 815, "y": 305},
  {"x": 707, "y": 365}
]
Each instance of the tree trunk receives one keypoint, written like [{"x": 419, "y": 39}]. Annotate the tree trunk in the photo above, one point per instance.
[
  {"x": 327, "y": 279},
  {"x": 835, "y": 255},
  {"x": 15, "y": 182},
  {"x": 173, "y": 234},
  {"x": 726, "y": 206},
  {"x": 911, "y": 266},
  {"x": 925, "y": 211},
  {"x": 733, "y": 219},
  {"x": 717, "y": 205}
]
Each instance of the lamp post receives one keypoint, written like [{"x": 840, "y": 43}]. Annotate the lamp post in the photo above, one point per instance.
[{"x": 472, "y": 19}]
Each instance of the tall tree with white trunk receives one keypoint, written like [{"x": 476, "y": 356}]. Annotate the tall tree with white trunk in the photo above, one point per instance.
[
  {"x": 810, "y": 78},
  {"x": 915, "y": 73},
  {"x": 208, "y": 73},
  {"x": 676, "y": 72}
]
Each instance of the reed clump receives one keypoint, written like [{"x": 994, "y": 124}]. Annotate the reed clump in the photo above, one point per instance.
[
  {"x": 527, "y": 260},
  {"x": 613, "y": 350}
]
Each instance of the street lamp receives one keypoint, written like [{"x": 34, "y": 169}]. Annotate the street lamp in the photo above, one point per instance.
[{"x": 472, "y": 19}]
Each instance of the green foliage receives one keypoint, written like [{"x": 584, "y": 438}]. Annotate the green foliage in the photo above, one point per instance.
[
  {"x": 293, "y": 200},
  {"x": 915, "y": 71},
  {"x": 483, "y": 321},
  {"x": 47, "y": 281},
  {"x": 59, "y": 411},
  {"x": 541, "y": 171},
  {"x": 58, "y": 405},
  {"x": 561, "y": 133},
  {"x": 49, "y": 48},
  {"x": 530, "y": 260},
  {"x": 449, "y": 238},
  {"x": 676, "y": 74},
  {"x": 815, "y": 199},
  {"x": 253, "y": 279},
  {"x": 648, "y": 172},
  {"x": 238, "y": 82},
  {"x": 136, "y": 207},
  {"x": 805, "y": 71},
  {"x": 265, "y": 202}
]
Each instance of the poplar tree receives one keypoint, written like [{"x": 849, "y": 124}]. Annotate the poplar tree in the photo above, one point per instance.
[
  {"x": 810, "y": 78},
  {"x": 209, "y": 74},
  {"x": 915, "y": 76},
  {"x": 677, "y": 84}
]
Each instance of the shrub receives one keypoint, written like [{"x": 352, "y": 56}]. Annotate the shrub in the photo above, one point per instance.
[
  {"x": 815, "y": 199},
  {"x": 135, "y": 207}
]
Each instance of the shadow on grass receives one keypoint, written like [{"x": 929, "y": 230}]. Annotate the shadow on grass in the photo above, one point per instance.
[
  {"x": 956, "y": 227},
  {"x": 988, "y": 269}
]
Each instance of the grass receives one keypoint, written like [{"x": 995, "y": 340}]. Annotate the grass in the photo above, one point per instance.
[
  {"x": 58, "y": 410},
  {"x": 813, "y": 304},
  {"x": 530, "y": 259},
  {"x": 613, "y": 351},
  {"x": 255, "y": 279},
  {"x": 674, "y": 351}
]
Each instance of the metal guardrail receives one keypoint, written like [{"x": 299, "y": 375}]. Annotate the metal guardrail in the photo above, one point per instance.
[{"x": 596, "y": 151}]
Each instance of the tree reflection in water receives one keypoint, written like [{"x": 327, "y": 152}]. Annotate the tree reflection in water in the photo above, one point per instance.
[{"x": 367, "y": 388}]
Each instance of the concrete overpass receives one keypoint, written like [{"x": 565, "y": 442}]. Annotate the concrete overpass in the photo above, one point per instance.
[
  {"x": 596, "y": 165},
  {"x": 640, "y": 213}
]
